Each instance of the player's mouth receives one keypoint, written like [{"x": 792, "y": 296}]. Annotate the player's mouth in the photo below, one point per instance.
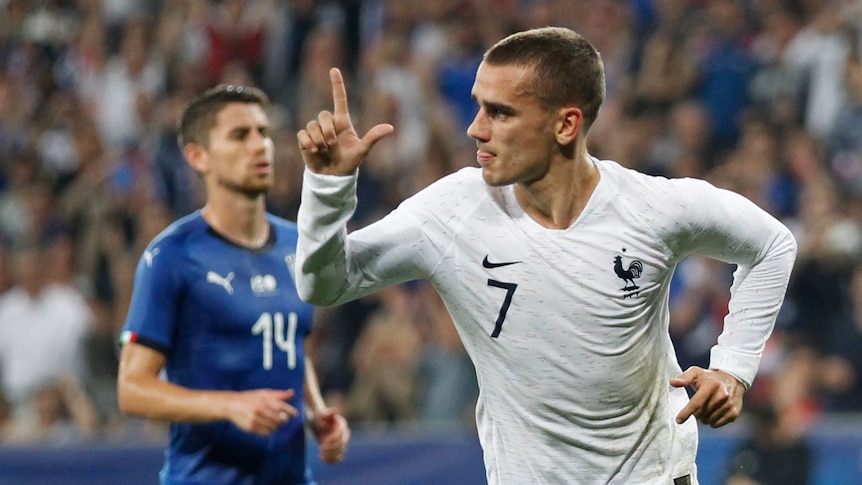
[
  {"x": 484, "y": 157},
  {"x": 262, "y": 168}
]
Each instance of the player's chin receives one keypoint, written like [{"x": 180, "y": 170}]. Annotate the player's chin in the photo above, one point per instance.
[
  {"x": 259, "y": 185},
  {"x": 492, "y": 178}
]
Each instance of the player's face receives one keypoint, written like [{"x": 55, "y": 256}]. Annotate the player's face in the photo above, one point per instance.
[
  {"x": 240, "y": 149},
  {"x": 514, "y": 134}
]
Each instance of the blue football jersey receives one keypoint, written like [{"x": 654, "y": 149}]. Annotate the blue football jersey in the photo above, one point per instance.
[{"x": 227, "y": 318}]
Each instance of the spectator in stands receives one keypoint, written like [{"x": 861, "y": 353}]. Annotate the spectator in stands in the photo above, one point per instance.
[
  {"x": 19, "y": 174},
  {"x": 386, "y": 361},
  {"x": 725, "y": 68},
  {"x": 456, "y": 71},
  {"x": 682, "y": 149},
  {"x": 6, "y": 277},
  {"x": 236, "y": 32},
  {"x": 754, "y": 168},
  {"x": 830, "y": 244},
  {"x": 14, "y": 124},
  {"x": 447, "y": 387},
  {"x": 43, "y": 325},
  {"x": 323, "y": 47},
  {"x": 818, "y": 53},
  {"x": 844, "y": 142},
  {"x": 128, "y": 87},
  {"x": 79, "y": 67},
  {"x": 776, "y": 88},
  {"x": 667, "y": 67},
  {"x": 840, "y": 370},
  {"x": 698, "y": 303},
  {"x": 396, "y": 92},
  {"x": 62, "y": 414},
  {"x": 775, "y": 453}
]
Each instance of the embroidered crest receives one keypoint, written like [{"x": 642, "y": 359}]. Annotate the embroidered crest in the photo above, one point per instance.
[{"x": 628, "y": 274}]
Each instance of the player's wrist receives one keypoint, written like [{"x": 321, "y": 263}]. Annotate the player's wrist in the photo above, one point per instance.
[{"x": 738, "y": 380}]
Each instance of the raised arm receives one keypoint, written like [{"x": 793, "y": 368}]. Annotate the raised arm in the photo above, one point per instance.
[{"x": 329, "y": 270}]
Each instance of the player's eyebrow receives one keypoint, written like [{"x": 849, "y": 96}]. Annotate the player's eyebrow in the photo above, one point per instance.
[
  {"x": 496, "y": 107},
  {"x": 238, "y": 131},
  {"x": 243, "y": 130}
]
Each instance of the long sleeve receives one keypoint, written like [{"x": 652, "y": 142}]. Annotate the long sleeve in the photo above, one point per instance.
[
  {"x": 328, "y": 202},
  {"x": 333, "y": 267},
  {"x": 728, "y": 227},
  {"x": 756, "y": 297}
]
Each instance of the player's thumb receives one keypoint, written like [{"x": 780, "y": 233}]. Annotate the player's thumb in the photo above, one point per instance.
[
  {"x": 687, "y": 378},
  {"x": 377, "y": 133},
  {"x": 325, "y": 415}
]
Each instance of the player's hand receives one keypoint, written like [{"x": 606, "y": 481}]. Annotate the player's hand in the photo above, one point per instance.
[
  {"x": 261, "y": 411},
  {"x": 332, "y": 433},
  {"x": 717, "y": 399},
  {"x": 330, "y": 144}
]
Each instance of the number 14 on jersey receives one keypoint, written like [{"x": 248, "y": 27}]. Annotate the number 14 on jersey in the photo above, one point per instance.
[{"x": 270, "y": 326}]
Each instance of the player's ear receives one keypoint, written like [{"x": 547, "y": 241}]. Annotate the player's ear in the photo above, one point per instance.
[
  {"x": 569, "y": 124},
  {"x": 197, "y": 157}
]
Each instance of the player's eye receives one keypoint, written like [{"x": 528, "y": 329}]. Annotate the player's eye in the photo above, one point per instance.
[{"x": 498, "y": 112}]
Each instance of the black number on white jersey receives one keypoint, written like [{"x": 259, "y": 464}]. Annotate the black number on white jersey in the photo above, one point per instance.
[{"x": 510, "y": 290}]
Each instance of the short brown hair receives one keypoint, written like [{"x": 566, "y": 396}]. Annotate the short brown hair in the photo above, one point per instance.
[
  {"x": 199, "y": 117},
  {"x": 568, "y": 69}
]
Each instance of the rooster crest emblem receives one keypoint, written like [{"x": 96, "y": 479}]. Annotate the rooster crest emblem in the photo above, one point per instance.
[{"x": 634, "y": 271}]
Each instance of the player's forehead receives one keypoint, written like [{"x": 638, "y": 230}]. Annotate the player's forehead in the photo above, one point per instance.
[
  {"x": 238, "y": 114},
  {"x": 502, "y": 84}
]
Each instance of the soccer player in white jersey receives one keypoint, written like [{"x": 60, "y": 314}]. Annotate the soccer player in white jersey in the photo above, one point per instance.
[
  {"x": 214, "y": 305},
  {"x": 556, "y": 268}
]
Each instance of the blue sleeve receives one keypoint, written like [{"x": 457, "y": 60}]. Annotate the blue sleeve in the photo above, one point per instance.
[{"x": 156, "y": 294}]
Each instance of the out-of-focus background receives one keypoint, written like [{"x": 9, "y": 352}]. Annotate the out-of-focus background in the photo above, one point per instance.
[{"x": 763, "y": 97}]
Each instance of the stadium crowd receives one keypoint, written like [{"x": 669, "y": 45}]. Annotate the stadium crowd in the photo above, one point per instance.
[{"x": 763, "y": 97}]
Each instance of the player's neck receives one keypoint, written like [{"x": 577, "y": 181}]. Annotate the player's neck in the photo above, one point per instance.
[
  {"x": 242, "y": 221},
  {"x": 558, "y": 199}
]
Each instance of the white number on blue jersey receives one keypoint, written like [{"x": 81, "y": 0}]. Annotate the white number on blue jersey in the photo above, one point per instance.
[{"x": 273, "y": 331}]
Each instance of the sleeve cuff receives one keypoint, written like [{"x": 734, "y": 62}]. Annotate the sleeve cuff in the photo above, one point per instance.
[{"x": 742, "y": 367}]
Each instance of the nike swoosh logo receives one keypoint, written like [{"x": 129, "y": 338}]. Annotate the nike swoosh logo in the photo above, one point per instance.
[{"x": 488, "y": 264}]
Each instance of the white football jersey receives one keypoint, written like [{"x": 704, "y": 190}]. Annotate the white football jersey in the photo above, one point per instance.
[{"x": 567, "y": 328}]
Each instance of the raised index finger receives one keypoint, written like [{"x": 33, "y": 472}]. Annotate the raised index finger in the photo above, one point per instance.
[{"x": 339, "y": 92}]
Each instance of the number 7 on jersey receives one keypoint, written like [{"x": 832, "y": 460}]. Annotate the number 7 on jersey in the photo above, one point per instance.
[{"x": 510, "y": 290}]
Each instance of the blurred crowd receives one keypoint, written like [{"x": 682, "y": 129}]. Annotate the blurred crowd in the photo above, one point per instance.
[{"x": 763, "y": 97}]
